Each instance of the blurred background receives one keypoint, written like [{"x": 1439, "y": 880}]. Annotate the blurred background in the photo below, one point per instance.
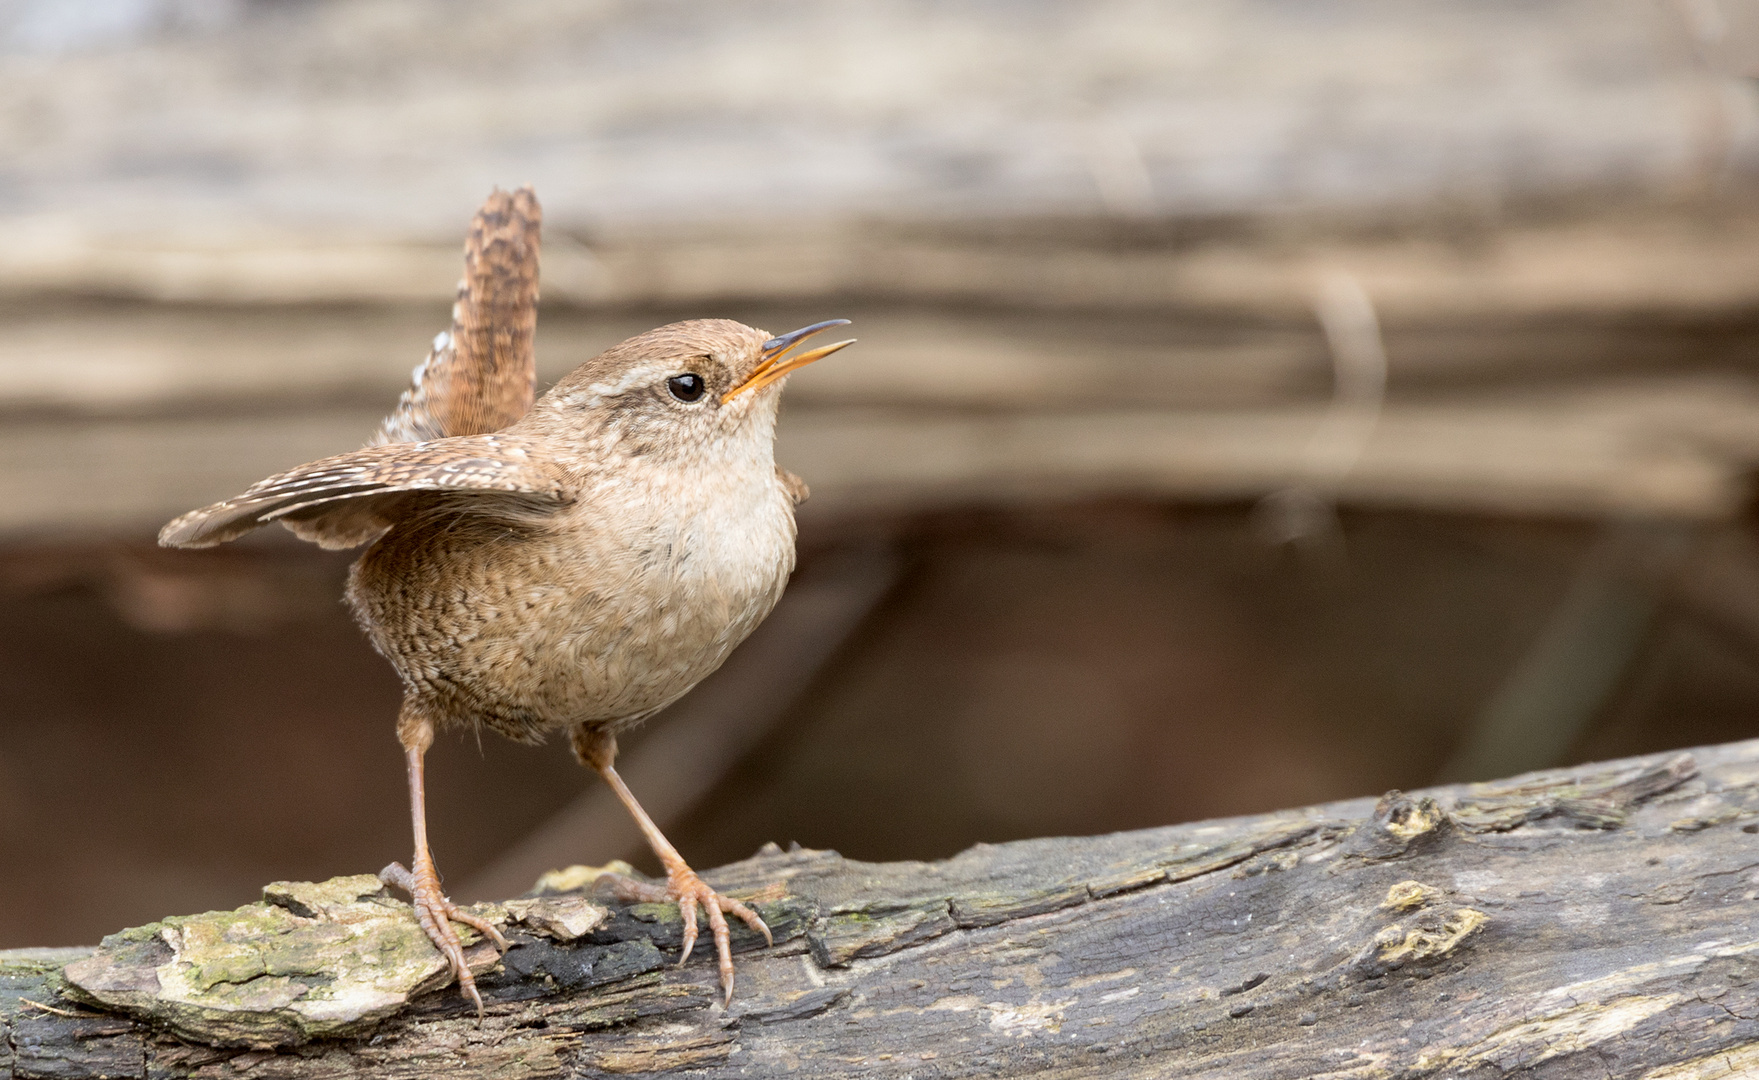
[{"x": 1256, "y": 404}]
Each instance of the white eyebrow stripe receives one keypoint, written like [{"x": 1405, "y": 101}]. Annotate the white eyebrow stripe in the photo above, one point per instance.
[{"x": 630, "y": 380}]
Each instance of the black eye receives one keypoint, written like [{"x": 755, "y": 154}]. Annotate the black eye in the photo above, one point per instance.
[{"x": 686, "y": 388}]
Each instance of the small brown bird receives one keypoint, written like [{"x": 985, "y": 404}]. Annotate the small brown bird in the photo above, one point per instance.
[{"x": 577, "y": 563}]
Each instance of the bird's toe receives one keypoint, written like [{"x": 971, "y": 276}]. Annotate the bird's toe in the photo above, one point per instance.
[{"x": 436, "y": 914}]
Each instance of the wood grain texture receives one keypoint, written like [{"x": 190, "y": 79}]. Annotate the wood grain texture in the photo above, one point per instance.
[{"x": 1595, "y": 923}]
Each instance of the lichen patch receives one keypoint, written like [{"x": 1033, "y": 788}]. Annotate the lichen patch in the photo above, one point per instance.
[
  {"x": 312, "y": 960},
  {"x": 576, "y": 878},
  {"x": 1409, "y": 895},
  {"x": 1399, "y": 945}
]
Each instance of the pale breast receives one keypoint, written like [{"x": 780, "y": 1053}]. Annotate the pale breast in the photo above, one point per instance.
[{"x": 603, "y": 617}]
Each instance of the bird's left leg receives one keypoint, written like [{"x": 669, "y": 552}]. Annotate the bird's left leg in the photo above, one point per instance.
[
  {"x": 597, "y": 750},
  {"x": 433, "y": 910}
]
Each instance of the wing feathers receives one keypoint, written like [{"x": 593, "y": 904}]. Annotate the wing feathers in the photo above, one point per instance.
[
  {"x": 479, "y": 464},
  {"x": 479, "y": 378}
]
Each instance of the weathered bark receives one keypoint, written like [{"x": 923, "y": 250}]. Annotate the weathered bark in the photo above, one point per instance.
[{"x": 1599, "y": 923}]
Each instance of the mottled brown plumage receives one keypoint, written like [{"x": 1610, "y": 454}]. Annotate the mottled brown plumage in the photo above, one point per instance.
[
  {"x": 482, "y": 372},
  {"x": 577, "y": 568}
]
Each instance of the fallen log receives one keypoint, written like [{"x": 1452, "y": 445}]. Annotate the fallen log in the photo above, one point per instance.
[{"x": 1596, "y": 922}]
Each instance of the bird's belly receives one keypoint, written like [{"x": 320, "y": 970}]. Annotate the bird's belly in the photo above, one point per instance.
[{"x": 529, "y": 636}]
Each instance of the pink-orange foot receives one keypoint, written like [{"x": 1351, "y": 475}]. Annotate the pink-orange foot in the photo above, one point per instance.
[
  {"x": 436, "y": 915},
  {"x": 690, "y": 891}
]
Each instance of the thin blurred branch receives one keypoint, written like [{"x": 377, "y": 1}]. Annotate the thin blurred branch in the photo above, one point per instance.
[
  {"x": 1305, "y": 511},
  {"x": 1577, "y": 664},
  {"x": 1358, "y": 357},
  {"x": 1120, "y": 172},
  {"x": 1718, "y": 98}
]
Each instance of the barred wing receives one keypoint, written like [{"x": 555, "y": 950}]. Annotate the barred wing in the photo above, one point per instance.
[
  {"x": 346, "y": 500},
  {"x": 481, "y": 374}
]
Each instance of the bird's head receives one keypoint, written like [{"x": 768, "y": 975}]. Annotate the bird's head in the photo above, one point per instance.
[{"x": 705, "y": 388}]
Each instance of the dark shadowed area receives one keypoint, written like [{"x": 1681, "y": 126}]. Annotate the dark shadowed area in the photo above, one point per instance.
[{"x": 184, "y": 727}]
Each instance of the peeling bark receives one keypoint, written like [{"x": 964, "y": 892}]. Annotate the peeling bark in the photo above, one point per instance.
[{"x": 1601, "y": 922}]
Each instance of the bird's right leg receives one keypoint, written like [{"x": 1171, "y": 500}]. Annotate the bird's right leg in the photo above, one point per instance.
[
  {"x": 597, "y": 750},
  {"x": 435, "y": 913}
]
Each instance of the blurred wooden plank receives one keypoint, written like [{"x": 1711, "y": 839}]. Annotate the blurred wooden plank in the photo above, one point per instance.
[
  {"x": 1655, "y": 449},
  {"x": 1624, "y": 256},
  {"x": 397, "y": 114},
  {"x": 1556, "y": 155},
  {"x": 133, "y": 359},
  {"x": 1673, "y": 448},
  {"x": 134, "y": 475}
]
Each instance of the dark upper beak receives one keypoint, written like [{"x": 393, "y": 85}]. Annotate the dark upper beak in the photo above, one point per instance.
[
  {"x": 774, "y": 363},
  {"x": 783, "y": 343}
]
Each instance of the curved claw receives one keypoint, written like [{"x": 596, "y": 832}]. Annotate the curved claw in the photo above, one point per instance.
[
  {"x": 690, "y": 892},
  {"x": 436, "y": 914}
]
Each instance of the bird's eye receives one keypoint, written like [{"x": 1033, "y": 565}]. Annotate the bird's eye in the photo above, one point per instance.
[{"x": 686, "y": 388}]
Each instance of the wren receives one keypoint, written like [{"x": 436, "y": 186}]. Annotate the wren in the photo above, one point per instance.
[{"x": 574, "y": 563}]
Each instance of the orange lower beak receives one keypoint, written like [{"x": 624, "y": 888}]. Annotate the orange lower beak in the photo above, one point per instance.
[{"x": 776, "y": 363}]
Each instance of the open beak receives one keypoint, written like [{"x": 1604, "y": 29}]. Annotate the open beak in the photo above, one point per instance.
[{"x": 775, "y": 363}]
